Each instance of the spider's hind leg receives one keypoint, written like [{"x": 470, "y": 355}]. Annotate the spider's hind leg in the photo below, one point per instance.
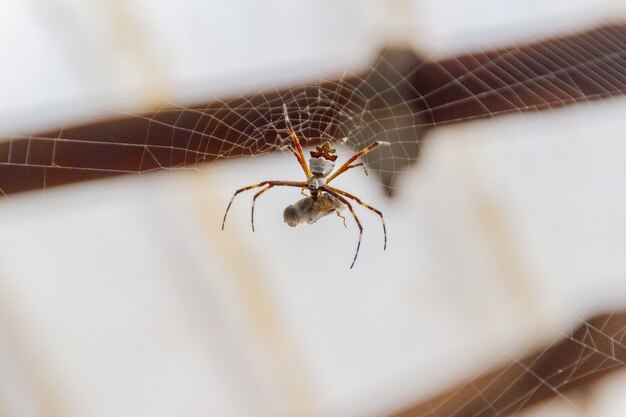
[
  {"x": 241, "y": 190},
  {"x": 271, "y": 184},
  {"x": 257, "y": 195},
  {"x": 358, "y": 222},
  {"x": 367, "y": 206}
]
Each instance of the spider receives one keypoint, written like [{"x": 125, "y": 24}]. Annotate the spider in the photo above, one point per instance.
[{"x": 323, "y": 199}]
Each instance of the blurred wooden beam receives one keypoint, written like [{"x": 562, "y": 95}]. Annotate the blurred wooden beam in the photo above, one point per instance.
[{"x": 543, "y": 75}]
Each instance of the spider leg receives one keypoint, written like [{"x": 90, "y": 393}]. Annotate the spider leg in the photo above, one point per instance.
[
  {"x": 360, "y": 164},
  {"x": 358, "y": 222},
  {"x": 358, "y": 200},
  {"x": 348, "y": 164},
  {"x": 303, "y": 164},
  {"x": 301, "y": 159},
  {"x": 293, "y": 152},
  {"x": 341, "y": 217},
  {"x": 257, "y": 195},
  {"x": 261, "y": 184}
]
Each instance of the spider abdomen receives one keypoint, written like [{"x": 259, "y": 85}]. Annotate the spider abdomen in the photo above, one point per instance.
[{"x": 309, "y": 210}]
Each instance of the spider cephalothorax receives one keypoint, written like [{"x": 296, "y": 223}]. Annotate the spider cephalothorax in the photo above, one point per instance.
[
  {"x": 323, "y": 199},
  {"x": 321, "y": 164}
]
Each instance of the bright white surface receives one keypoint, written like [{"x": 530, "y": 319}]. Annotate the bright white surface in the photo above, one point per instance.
[
  {"x": 607, "y": 399},
  {"x": 451, "y": 27},
  {"x": 127, "y": 299},
  {"x": 69, "y": 61},
  {"x": 79, "y": 60}
]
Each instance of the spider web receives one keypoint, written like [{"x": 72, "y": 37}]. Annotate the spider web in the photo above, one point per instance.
[{"x": 400, "y": 98}]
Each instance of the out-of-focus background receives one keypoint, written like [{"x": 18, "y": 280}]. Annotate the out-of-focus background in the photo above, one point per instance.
[{"x": 125, "y": 127}]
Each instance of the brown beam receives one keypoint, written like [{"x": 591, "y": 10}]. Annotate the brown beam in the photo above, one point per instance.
[{"x": 402, "y": 96}]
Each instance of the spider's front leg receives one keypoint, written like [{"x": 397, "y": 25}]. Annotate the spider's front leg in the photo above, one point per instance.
[
  {"x": 348, "y": 164},
  {"x": 300, "y": 153}
]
